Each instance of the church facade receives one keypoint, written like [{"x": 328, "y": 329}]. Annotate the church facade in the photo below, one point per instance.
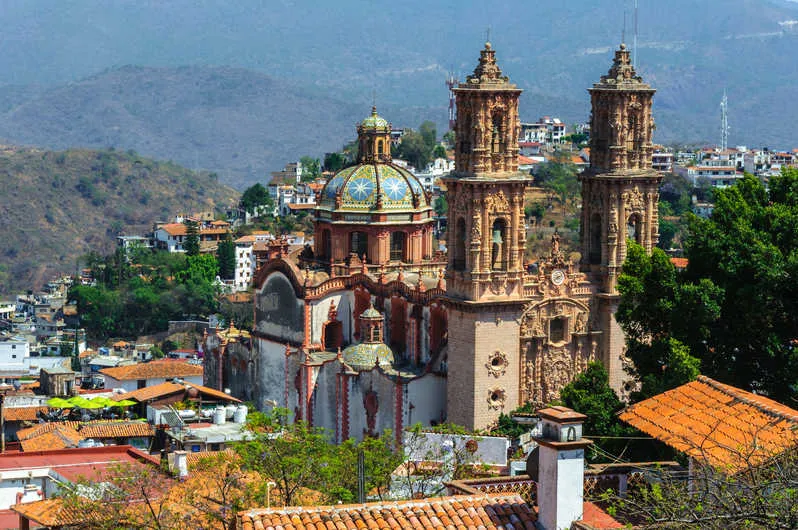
[{"x": 373, "y": 329}]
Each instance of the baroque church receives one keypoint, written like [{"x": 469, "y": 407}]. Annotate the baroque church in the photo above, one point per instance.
[{"x": 375, "y": 329}]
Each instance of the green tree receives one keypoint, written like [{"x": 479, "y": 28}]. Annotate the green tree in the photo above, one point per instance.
[
  {"x": 415, "y": 149},
  {"x": 311, "y": 168},
  {"x": 748, "y": 248},
  {"x": 226, "y": 256},
  {"x": 428, "y": 133},
  {"x": 191, "y": 243},
  {"x": 449, "y": 139},
  {"x": 661, "y": 315},
  {"x": 202, "y": 267},
  {"x": 439, "y": 151},
  {"x": 256, "y": 199},
  {"x": 441, "y": 205},
  {"x": 559, "y": 177},
  {"x": 590, "y": 393},
  {"x": 334, "y": 162}
]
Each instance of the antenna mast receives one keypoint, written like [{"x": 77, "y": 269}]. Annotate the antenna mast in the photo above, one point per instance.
[
  {"x": 724, "y": 122},
  {"x": 634, "y": 44},
  {"x": 451, "y": 82}
]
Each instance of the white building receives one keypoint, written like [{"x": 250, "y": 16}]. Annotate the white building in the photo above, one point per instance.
[
  {"x": 246, "y": 264},
  {"x": 436, "y": 169},
  {"x": 719, "y": 173},
  {"x": 142, "y": 375},
  {"x": 14, "y": 357}
]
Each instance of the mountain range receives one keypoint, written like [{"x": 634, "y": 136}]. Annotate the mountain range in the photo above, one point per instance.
[{"x": 243, "y": 88}]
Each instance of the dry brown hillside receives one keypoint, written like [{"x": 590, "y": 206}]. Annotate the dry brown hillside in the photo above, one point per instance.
[{"x": 57, "y": 206}]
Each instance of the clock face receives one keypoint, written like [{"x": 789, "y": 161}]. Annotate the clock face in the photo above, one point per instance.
[{"x": 557, "y": 277}]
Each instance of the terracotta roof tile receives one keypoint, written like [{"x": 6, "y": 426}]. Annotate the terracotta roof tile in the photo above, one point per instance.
[
  {"x": 23, "y": 413},
  {"x": 461, "y": 512},
  {"x": 154, "y": 369},
  {"x": 719, "y": 424},
  {"x": 679, "y": 263},
  {"x": 165, "y": 389},
  {"x": 61, "y": 437},
  {"x": 37, "y": 430},
  {"x": 50, "y": 513},
  {"x": 116, "y": 430}
]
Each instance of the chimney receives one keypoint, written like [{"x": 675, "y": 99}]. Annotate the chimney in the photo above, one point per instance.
[
  {"x": 561, "y": 468},
  {"x": 178, "y": 464}
]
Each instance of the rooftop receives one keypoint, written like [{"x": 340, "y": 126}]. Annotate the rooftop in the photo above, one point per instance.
[
  {"x": 718, "y": 424},
  {"x": 166, "y": 389},
  {"x": 463, "y": 512},
  {"x": 164, "y": 368}
]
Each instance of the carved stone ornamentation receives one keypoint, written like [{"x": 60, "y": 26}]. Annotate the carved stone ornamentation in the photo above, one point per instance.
[
  {"x": 497, "y": 203},
  {"x": 461, "y": 205},
  {"x": 497, "y": 363},
  {"x": 496, "y": 398}
]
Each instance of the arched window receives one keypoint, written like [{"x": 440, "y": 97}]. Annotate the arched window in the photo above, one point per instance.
[
  {"x": 398, "y": 246},
  {"x": 557, "y": 329},
  {"x": 358, "y": 243},
  {"x": 333, "y": 332},
  {"x": 594, "y": 255},
  {"x": 634, "y": 229},
  {"x": 497, "y": 140},
  {"x": 459, "y": 262},
  {"x": 398, "y": 324},
  {"x": 498, "y": 238},
  {"x": 380, "y": 147}
]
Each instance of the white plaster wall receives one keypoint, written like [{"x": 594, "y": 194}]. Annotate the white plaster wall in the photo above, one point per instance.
[
  {"x": 269, "y": 378},
  {"x": 321, "y": 308},
  {"x": 427, "y": 394},
  {"x": 491, "y": 450},
  {"x": 279, "y": 312},
  {"x": 386, "y": 401},
  {"x": 325, "y": 410},
  {"x": 560, "y": 487}
]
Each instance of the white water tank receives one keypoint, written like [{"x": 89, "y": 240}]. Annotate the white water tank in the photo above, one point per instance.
[
  {"x": 230, "y": 411},
  {"x": 241, "y": 414},
  {"x": 219, "y": 415}
]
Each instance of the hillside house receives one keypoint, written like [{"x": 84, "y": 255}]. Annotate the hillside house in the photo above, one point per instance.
[{"x": 142, "y": 375}]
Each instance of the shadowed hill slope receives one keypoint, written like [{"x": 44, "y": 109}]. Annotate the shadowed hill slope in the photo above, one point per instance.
[{"x": 57, "y": 206}]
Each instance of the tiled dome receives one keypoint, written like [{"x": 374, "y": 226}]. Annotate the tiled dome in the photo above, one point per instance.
[
  {"x": 365, "y": 356},
  {"x": 374, "y": 186},
  {"x": 374, "y": 121}
]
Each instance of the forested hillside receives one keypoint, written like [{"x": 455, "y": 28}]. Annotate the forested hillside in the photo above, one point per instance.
[{"x": 57, "y": 206}]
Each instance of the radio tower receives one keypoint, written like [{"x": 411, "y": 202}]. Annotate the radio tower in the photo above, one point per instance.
[
  {"x": 724, "y": 122},
  {"x": 451, "y": 82}
]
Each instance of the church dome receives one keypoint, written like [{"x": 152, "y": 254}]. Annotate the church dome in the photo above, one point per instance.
[
  {"x": 374, "y": 121},
  {"x": 374, "y": 186},
  {"x": 367, "y": 355}
]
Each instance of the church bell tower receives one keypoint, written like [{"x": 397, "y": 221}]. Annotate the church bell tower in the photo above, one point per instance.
[
  {"x": 620, "y": 192},
  {"x": 486, "y": 244}
]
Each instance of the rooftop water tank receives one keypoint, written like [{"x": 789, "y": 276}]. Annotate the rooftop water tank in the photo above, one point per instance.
[
  {"x": 241, "y": 414},
  {"x": 219, "y": 415}
]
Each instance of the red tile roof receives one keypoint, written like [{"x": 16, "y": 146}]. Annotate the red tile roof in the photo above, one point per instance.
[
  {"x": 718, "y": 424},
  {"x": 166, "y": 389},
  {"x": 165, "y": 368},
  {"x": 61, "y": 437},
  {"x": 50, "y": 513},
  {"x": 23, "y": 413},
  {"x": 462, "y": 512},
  {"x": 679, "y": 263}
]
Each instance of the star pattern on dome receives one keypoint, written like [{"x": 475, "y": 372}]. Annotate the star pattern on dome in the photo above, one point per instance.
[
  {"x": 360, "y": 188},
  {"x": 395, "y": 188}
]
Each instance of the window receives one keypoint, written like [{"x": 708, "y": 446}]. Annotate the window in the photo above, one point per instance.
[
  {"x": 557, "y": 329},
  {"x": 379, "y": 147},
  {"x": 634, "y": 229},
  {"x": 398, "y": 246},
  {"x": 358, "y": 243},
  {"x": 498, "y": 236}
]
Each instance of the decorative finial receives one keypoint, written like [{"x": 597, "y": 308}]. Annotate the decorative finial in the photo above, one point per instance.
[
  {"x": 440, "y": 279},
  {"x": 382, "y": 272},
  {"x": 401, "y": 276},
  {"x": 363, "y": 267},
  {"x": 420, "y": 285}
]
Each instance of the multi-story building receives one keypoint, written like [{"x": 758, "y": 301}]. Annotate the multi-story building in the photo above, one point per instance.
[
  {"x": 434, "y": 170},
  {"x": 14, "y": 358},
  {"x": 720, "y": 173},
  {"x": 662, "y": 160},
  {"x": 246, "y": 262}
]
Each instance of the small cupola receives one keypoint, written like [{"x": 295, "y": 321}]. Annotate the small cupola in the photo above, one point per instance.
[
  {"x": 374, "y": 139},
  {"x": 371, "y": 323}
]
